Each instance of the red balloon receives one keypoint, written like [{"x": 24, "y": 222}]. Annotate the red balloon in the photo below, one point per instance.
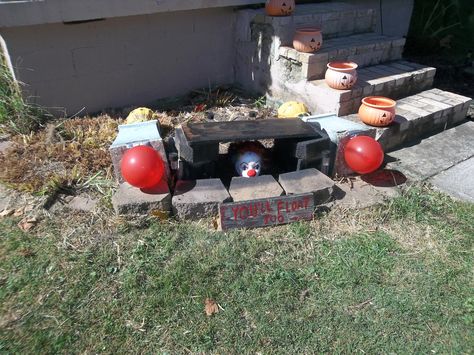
[
  {"x": 142, "y": 167},
  {"x": 363, "y": 154}
]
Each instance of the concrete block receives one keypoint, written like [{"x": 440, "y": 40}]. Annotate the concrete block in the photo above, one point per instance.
[
  {"x": 130, "y": 135},
  {"x": 243, "y": 189},
  {"x": 131, "y": 200},
  {"x": 308, "y": 180},
  {"x": 194, "y": 199},
  {"x": 81, "y": 203}
]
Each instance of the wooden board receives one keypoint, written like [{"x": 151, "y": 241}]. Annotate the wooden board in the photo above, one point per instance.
[
  {"x": 266, "y": 212},
  {"x": 216, "y": 132}
]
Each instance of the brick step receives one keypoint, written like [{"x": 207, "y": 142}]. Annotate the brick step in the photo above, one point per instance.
[
  {"x": 335, "y": 19},
  {"x": 364, "y": 49},
  {"x": 420, "y": 115},
  {"x": 394, "y": 80}
]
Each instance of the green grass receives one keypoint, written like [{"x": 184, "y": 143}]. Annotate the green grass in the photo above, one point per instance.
[
  {"x": 16, "y": 115},
  {"x": 393, "y": 279}
]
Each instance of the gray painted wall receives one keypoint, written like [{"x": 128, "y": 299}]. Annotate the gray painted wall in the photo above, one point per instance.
[
  {"x": 123, "y": 61},
  {"x": 396, "y": 15},
  {"x": 14, "y": 13},
  {"x": 133, "y": 60}
]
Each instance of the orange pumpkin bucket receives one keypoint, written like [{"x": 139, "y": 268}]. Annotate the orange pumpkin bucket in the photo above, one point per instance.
[
  {"x": 279, "y": 7},
  {"x": 307, "y": 40},
  {"x": 341, "y": 75},
  {"x": 377, "y": 111}
]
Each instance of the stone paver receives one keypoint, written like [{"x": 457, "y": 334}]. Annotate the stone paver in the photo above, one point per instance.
[
  {"x": 457, "y": 181},
  {"x": 4, "y": 145},
  {"x": 362, "y": 194},
  {"x": 308, "y": 180},
  {"x": 82, "y": 203},
  {"x": 434, "y": 154},
  {"x": 243, "y": 189},
  {"x": 194, "y": 199},
  {"x": 130, "y": 200}
]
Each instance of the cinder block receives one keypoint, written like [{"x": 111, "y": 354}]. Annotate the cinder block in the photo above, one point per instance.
[
  {"x": 243, "y": 189},
  {"x": 130, "y": 135},
  {"x": 131, "y": 200},
  {"x": 308, "y": 180},
  {"x": 194, "y": 199}
]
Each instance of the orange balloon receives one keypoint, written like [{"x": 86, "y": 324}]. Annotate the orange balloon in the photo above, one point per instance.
[
  {"x": 363, "y": 154},
  {"x": 142, "y": 167}
]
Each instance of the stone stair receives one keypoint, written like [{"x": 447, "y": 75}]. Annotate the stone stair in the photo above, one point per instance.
[
  {"x": 267, "y": 63},
  {"x": 419, "y": 115},
  {"x": 364, "y": 49},
  {"x": 394, "y": 80}
]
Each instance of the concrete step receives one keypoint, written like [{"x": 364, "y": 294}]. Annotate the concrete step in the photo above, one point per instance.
[
  {"x": 425, "y": 113},
  {"x": 395, "y": 80},
  {"x": 364, "y": 49},
  {"x": 335, "y": 19},
  {"x": 435, "y": 154},
  {"x": 258, "y": 37}
]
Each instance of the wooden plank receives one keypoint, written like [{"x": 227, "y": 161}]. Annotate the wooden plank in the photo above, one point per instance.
[
  {"x": 215, "y": 132},
  {"x": 266, "y": 212}
]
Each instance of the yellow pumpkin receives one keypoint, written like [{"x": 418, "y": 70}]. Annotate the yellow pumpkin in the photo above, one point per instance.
[
  {"x": 141, "y": 114},
  {"x": 292, "y": 109}
]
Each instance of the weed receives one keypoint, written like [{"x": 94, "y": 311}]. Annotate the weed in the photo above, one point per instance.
[
  {"x": 260, "y": 102},
  {"x": 213, "y": 98},
  {"x": 16, "y": 116}
]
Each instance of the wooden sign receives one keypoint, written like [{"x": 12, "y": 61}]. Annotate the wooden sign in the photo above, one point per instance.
[{"x": 266, "y": 212}]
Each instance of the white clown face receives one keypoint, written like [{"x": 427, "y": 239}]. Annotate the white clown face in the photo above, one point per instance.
[{"x": 248, "y": 164}]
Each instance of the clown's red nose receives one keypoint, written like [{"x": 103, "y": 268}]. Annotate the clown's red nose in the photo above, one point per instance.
[{"x": 251, "y": 173}]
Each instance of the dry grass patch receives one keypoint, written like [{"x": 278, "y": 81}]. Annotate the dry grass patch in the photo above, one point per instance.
[{"x": 60, "y": 155}]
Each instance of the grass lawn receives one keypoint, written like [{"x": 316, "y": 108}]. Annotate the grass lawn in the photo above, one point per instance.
[{"x": 396, "y": 278}]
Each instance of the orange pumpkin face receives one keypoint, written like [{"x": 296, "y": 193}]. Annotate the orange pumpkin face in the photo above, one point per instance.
[
  {"x": 341, "y": 75},
  {"x": 307, "y": 40},
  {"x": 377, "y": 111},
  {"x": 279, "y": 7}
]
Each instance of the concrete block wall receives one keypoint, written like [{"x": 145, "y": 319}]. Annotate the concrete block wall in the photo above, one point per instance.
[{"x": 123, "y": 61}]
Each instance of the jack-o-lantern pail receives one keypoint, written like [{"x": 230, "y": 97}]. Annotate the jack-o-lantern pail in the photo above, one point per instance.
[
  {"x": 377, "y": 111},
  {"x": 279, "y": 7},
  {"x": 341, "y": 75},
  {"x": 307, "y": 40}
]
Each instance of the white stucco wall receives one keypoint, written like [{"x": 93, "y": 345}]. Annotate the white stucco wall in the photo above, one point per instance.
[{"x": 123, "y": 61}]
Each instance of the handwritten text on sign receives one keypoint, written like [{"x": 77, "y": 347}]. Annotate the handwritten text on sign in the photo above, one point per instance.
[{"x": 266, "y": 212}]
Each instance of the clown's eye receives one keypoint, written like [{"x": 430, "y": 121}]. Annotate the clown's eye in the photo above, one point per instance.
[
  {"x": 244, "y": 166},
  {"x": 256, "y": 166}
]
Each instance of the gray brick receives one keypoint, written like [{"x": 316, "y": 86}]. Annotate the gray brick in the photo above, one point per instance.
[
  {"x": 198, "y": 198},
  {"x": 243, "y": 189},
  {"x": 308, "y": 180},
  {"x": 131, "y": 200}
]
